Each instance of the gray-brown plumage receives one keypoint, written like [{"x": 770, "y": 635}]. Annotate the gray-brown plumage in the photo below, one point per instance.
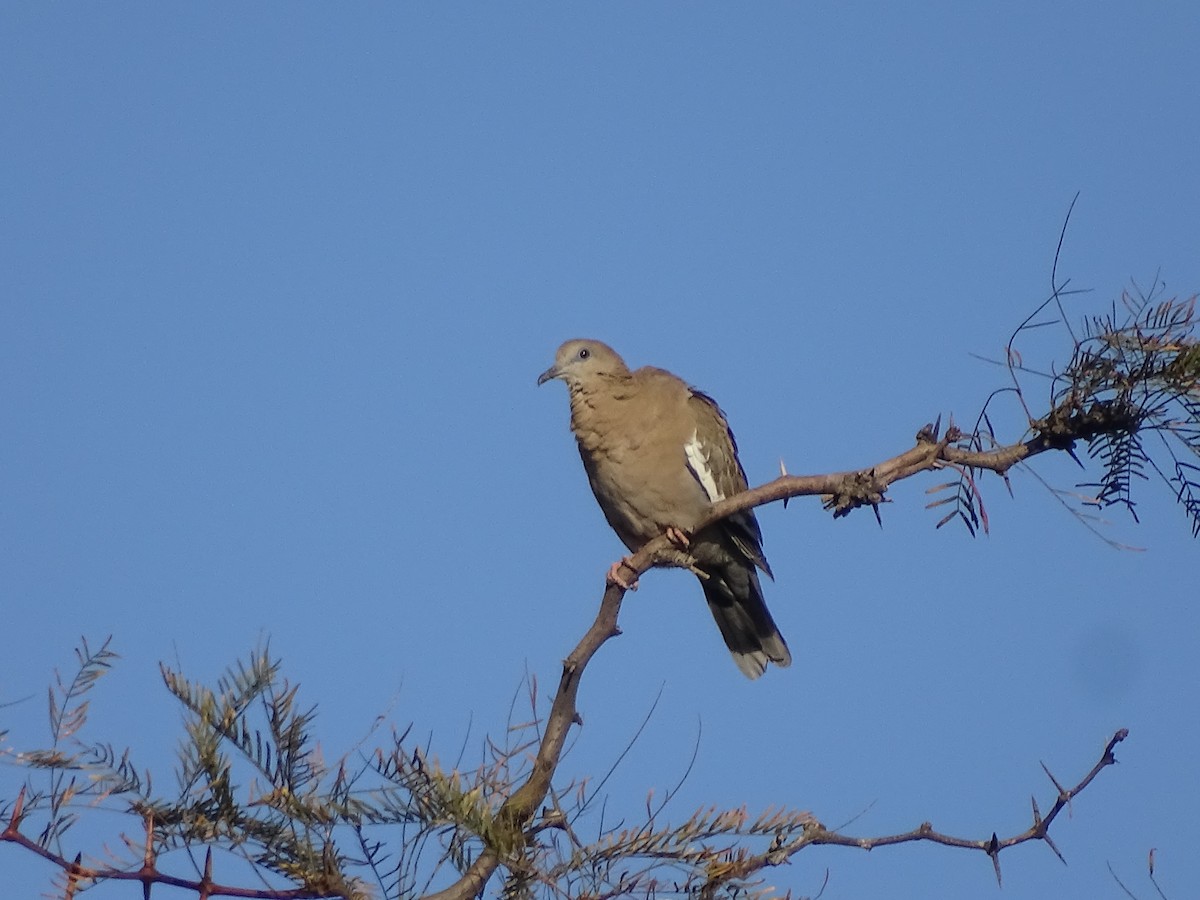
[{"x": 658, "y": 453}]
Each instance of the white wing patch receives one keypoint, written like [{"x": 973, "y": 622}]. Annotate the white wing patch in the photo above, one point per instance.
[{"x": 697, "y": 460}]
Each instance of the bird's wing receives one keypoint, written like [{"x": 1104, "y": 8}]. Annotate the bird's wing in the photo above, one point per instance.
[{"x": 713, "y": 460}]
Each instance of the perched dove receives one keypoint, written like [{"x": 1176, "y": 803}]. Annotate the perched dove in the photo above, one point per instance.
[{"x": 658, "y": 453}]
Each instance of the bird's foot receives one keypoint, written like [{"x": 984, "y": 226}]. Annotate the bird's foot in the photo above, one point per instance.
[
  {"x": 614, "y": 575},
  {"x": 678, "y": 537}
]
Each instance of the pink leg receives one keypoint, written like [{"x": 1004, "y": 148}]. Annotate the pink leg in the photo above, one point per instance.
[
  {"x": 614, "y": 575},
  {"x": 678, "y": 538}
]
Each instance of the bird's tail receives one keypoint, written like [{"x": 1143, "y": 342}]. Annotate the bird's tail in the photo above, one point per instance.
[{"x": 735, "y": 597}]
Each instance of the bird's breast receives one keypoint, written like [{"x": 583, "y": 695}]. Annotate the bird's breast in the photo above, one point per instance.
[{"x": 637, "y": 469}]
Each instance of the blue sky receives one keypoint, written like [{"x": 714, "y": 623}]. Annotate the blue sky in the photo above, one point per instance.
[{"x": 276, "y": 282}]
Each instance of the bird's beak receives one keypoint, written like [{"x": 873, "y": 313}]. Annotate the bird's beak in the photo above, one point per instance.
[{"x": 550, "y": 374}]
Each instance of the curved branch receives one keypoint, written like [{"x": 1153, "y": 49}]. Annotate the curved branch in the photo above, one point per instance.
[
  {"x": 517, "y": 811},
  {"x": 1038, "y": 831}
]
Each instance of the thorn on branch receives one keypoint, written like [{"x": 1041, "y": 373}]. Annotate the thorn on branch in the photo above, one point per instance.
[
  {"x": 993, "y": 850},
  {"x": 73, "y": 879},
  {"x": 148, "y": 856},
  {"x": 14, "y": 822},
  {"x": 1050, "y": 843},
  {"x": 206, "y": 879},
  {"x": 1063, "y": 794}
]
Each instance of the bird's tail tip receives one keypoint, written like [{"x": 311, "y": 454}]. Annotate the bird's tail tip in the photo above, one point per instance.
[{"x": 753, "y": 663}]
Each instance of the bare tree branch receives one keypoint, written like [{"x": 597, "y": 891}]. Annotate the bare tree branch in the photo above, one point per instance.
[{"x": 1038, "y": 831}]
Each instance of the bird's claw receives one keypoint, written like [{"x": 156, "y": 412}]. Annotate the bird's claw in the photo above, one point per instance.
[
  {"x": 678, "y": 537},
  {"x": 614, "y": 575}
]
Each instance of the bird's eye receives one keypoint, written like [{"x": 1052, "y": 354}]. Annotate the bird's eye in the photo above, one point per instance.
[{"x": 584, "y": 353}]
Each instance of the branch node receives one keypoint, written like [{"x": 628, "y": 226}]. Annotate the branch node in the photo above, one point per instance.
[
  {"x": 855, "y": 489},
  {"x": 1109, "y": 758}
]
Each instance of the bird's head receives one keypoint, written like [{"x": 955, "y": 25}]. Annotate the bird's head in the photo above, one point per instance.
[{"x": 580, "y": 360}]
